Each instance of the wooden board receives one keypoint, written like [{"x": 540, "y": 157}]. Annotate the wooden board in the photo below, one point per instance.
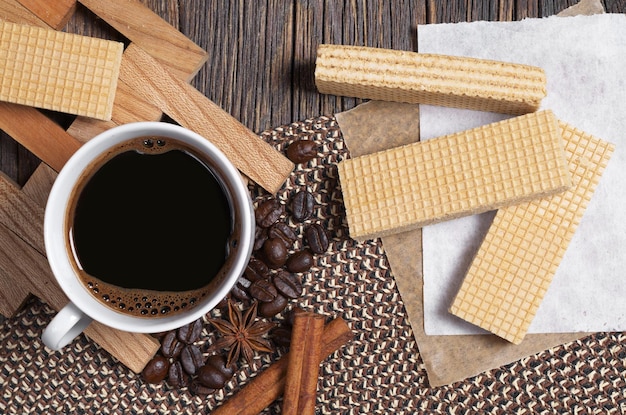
[
  {"x": 13, "y": 11},
  {"x": 148, "y": 30},
  {"x": 55, "y": 13},
  {"x": 48, "y": 141}
]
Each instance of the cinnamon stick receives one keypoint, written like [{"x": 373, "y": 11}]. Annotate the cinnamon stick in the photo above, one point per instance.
[
  {"x": 304, "y": 364},
  {"x": 262, "y": 390}
]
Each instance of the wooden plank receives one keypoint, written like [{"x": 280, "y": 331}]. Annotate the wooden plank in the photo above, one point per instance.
[
  {"x": 12, "y": 11},
  {"x": 148, "y": 30},
  {"x": 44, "y": 138},
  {"x": 190, "y": 108},
  {"x": 25, "y": 219},
  {"x": 37, "y": 188},
  {"x": 55, "y": 13}
]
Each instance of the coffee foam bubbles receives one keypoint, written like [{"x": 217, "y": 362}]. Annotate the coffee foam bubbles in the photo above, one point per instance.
[{"x": 142, "y": 302}]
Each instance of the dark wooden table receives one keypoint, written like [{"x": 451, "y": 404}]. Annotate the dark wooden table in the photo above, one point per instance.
[{"x": 262, "y": 53}]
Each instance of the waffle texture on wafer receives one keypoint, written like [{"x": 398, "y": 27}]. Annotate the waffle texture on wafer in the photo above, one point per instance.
[
  {"x": 442, "y": 80},
  {"x": 58, "y": 71},
  {"x": 522, "y": 250},
  {"x": 470, "y": 172}
]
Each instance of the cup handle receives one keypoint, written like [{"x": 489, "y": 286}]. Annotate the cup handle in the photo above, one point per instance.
[{"x": 65, "y": 326}]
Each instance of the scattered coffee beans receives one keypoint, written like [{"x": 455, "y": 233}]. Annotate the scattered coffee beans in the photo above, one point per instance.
[
  {"x": 171, "y": 346},
  {"x": 301, "y": 151},
  {"x": 176, "y": 375},
  {"x": 256, "y": 270},
  {"x": 191, "y": 359},
  {"x": 196, "y": 387},
  {"x": 156, "y": 370},
  {"x": 240, "y": 292},
  {"x": 275, "y": 253},
  {"x": 268, "y": 213},
  {"x": 283, "y": 232},
  {"x": 270, "y": 309},
  {"x": 191, "y": 332},
  {"x": 260, "y": 236},
  {"x": 215, "y": 373},
  {"x": 263, "y": 290},
  {"x": 288, "y": 284},
  {"x": 302, "y": 205},
  {"x": 317, "y": 238},
  {"x": 300, "y": 261}
]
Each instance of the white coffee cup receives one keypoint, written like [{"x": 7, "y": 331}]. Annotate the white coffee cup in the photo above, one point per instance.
[{"x": 84, "y": 307}]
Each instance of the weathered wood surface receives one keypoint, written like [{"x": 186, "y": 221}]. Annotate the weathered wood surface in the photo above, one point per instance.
[{"x": 261, "y": 53}]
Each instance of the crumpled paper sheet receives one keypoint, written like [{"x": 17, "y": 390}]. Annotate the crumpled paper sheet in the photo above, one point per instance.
[
  {"x": 586, "y": 70},
  {"x": 375, "y": 126}
]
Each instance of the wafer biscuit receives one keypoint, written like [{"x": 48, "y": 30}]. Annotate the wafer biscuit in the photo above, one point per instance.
[
  {"x": 520, "y": 254},
  {"x": 451, "y": 81},
  {"x": 58, "y": 71},
  {"x": 474, "y": 171}
]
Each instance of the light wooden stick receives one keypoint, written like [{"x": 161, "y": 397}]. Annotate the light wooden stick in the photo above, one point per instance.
[{"x": 189, "y": 107}]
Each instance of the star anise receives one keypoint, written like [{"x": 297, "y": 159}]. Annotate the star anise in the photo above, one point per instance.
[{"x": 242, "y": 334}]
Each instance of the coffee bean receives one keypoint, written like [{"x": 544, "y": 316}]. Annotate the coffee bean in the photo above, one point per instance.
[
  {"x": 176, "y": 375},
  {"x": 268, "y": 212},
  {"x": 170, "y": 345},
  {"x": 301, "y": 151},
  {"x": 300, "y": 261},
  {"x": 191, "y": 358},
  {"x": 260, "y": 236},
  {"x": 239, "y": 292},
  {"x": 274, "y": 307},
  {"x": 215, "y": 373},
  {"x": 263, "y": 290},
  {"x": 256, "y": 270},
  {"x": 191, "y": 332},
  {"x": 288, "y": 284},
  {"x": 196, "y": 387},
  {"x": 281, "y": 336},
  {"x": 302, "y": 205},
  {"x": 275, "y": 253},
  {"x": 283, "y": 232},
  {"x": 156, "y": 369},
  {"x": 317, "y": 238}
]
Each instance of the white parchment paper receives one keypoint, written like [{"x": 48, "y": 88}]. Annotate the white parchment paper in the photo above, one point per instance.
[{"x": 585, "y": 62}]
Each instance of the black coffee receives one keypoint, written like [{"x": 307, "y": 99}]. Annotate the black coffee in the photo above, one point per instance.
[{"x": 151, "y": 227}]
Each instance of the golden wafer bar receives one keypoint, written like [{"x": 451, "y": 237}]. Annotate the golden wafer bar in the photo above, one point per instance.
[
  {"x": 419, "y": 78},
  {"x": 521, "y": 252},
  {"x": 58, "y": 71},
  {"x": 470, "y": 172}
]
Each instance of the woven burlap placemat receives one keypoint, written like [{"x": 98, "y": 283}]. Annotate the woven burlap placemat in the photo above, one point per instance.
[{"x": 379, "y": 372}]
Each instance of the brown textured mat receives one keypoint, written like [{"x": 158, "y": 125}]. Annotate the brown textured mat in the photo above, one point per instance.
[{"x": 379, "y": 372}]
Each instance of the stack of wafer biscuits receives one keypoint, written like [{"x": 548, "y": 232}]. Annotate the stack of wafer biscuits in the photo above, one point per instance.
[{"x": 538, "y": 172}]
